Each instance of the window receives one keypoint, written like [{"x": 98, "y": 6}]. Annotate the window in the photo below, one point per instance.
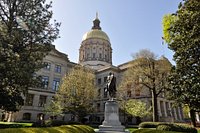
[
  {"x": 100, "y": 56},
  {"x": 137, "y": 91},
  {"x": 98, "y": 107},
  {"x": 58, "y": 68},
  {"x": 129, "y": 93},
  {"x": 47, "y": 65},
  {"x": 42, "y": 101},
  {"x": 29, "y": 100},
  {"x": 99, "y": 81},
  {"x": 56, "y": 83},
  {"x": 94, "y": 55},
  {"x": 88, "y": 55},
  {"x": 26, "y": 116},
  {"x": 105, "y": 79},
  {"x": 45, "y": 81},
  {"x": 40, "y": 116},
  {"x": 99, "y": 92},
  {"x": 105, "y": 93}
]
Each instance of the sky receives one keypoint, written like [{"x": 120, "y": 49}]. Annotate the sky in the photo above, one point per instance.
[{"x": 131, "y": 25}]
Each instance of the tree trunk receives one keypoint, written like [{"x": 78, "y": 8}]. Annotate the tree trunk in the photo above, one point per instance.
[
  {"x": 192, "y": 116},
  {"x": 155, "y": 106}
]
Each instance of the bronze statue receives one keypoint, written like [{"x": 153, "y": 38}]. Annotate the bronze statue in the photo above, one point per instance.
[{"x": 111, "y": 85}]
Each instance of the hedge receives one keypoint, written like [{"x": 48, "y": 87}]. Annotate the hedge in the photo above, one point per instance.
[
  {"x": 168, "y": 127},
  {"x": 177, "y": 127},
  {"x": 149, "y": 124},
  {"x": 153, "y": 131}
]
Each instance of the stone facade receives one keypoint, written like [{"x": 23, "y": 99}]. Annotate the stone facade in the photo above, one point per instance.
[
  {"x": 95, "y": 52},
  {"x": 58, "y": 65}
]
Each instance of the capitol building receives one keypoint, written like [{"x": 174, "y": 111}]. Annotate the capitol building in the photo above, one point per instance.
[{"x": 95, "y": 52}]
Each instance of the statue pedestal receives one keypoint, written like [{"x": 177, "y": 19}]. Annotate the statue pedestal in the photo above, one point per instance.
[{"x": 111, "y": 123}]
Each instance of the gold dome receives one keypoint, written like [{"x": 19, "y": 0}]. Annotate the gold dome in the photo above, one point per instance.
[{"x": 95, "y": 33}]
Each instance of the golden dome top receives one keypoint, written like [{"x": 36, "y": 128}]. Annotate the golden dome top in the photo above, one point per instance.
[{"x": 95, "y": 33}]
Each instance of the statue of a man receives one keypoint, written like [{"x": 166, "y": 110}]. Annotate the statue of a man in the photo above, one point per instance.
[{"x": 111, "y": 85}]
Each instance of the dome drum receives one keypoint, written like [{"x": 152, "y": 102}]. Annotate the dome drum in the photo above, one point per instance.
[{"x": 95, "y": 50}]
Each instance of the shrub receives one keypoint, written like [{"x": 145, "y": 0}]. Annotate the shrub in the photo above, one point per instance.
[
  {"x": 176, "y": 127},
  {"x": 73, "y": 123},
  {"x": 153, "y": 131},
  {"x": 38, "y": 124},
  {"x": 149, "y": 124},
  {"x": 53, "y": 123},
  {"x": 49, "y": 123}
]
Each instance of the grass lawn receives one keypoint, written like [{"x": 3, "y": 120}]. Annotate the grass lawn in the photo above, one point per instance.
[
  {"x": 60, "y": 129},
  {"x": 65, "y": 129}
]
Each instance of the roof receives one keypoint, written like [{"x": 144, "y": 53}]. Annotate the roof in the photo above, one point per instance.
[{"x": 95, "y": 33}]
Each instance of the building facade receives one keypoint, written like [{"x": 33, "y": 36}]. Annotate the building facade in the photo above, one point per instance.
[{"x": 96, "y": 53}]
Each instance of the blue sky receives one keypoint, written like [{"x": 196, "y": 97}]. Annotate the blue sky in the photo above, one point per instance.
[{"x": 131, "y": 25}]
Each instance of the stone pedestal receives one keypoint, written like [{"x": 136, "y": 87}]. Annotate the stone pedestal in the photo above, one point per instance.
[{"x": 111, "y": 123}]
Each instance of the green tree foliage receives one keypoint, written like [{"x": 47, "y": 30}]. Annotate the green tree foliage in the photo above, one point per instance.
[
  {"x": 137, "y": 108},
  {"x": 25, "y": 38},
  {"x": 54, "y": 108},
  {"x": 185, "y": 43},
  {"x": 168, "y": 21},
  {"x": 146, "y": 72},
  {"x": 78, "y": 92}
]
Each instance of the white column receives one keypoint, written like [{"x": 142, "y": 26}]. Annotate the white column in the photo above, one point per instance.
[
  {"x": 179, "y": 113},
  {"x": 175, "y": 114},
  {"x": 165, "y": 110},
  {"x": 159, "y": 110},
  {"x": 36, "y": 100},
  {"x": 197, "y": 117}
]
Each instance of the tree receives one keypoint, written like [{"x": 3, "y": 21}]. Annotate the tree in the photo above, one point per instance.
[
  {"x": 137, "y": 108},
  {"x": 77, "y": 92},
  {"x": 53, "y": 108},
  {"x": 184, "y": 40},
  {"x": 146, "y": 72},
  {"x": 25, "y": 38}
]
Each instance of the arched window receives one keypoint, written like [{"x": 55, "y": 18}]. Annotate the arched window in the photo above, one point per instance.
[
  {"x": 40, "y": 116},
  {"x": 27, "y": 116}
]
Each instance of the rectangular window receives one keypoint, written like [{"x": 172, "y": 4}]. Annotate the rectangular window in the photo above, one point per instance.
[
  {"x": 100, "y": 56},
  {"x": 47, "y": 66},
  {"x": 88, "y": 55},
  {"x": 45, "y": 82},
  {"x": 29, "y": 100},
  {"x": 56, "y": 83},
  {"x": 26, "y": 116},
  {"x": 94, "y": 55},
  {"x": 99, "y": 81},
  {"x": 98, "y": 107},
  {"x": 58, "y": 68},
  {"x": 42, "y": 101},
  {"x": 99, "y": 92},
  {"x": 105, "y": 79},
  {"x": 129, "y": 93},
  {"x": 105, "y": 93}
]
